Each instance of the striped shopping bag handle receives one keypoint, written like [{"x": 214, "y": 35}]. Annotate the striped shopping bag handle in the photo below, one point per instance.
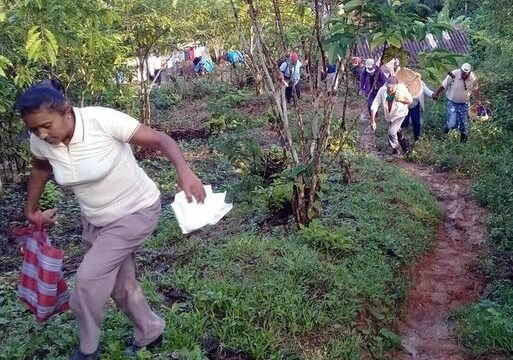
[{"x": 37, "y": 230}]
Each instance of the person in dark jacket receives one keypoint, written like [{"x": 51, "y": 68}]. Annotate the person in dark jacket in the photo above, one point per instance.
[{"x": 372, "y": 79}]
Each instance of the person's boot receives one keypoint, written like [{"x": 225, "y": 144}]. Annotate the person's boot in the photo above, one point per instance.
[
  {"x": 446, "y": 130},
  {"x": 463, "y": 138},
  {"x": 405, "y": 146},
  {"x": 133, "y": 349},
  {"x": 395, "y": 151},
  {"x": 79, "y": 355}
]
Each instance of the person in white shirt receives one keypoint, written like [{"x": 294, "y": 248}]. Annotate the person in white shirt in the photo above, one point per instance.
[
  {"x": 290, "y": 73},
  {"x": 151, "y": 67},
  {"x": 395, "y": 99},
  {"x": 88, "y": 150},
  {"x": 460, "y": 85},
  {"x": 154, "y": 66},
  {"x": 415, "y": 110}
]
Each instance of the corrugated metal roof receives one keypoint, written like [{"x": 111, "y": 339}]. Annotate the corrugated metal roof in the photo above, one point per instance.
[{"x": 455, "y": 41}]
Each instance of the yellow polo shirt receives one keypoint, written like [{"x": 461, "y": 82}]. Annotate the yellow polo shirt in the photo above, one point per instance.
[
  {"x": 459, "y": 90},
  {"x": 99, "y": 166}
]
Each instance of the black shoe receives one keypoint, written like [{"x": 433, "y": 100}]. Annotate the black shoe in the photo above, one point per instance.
[
  {"x": 463, "y": 138},
  {"x": 446, "y": 130},
  {"x": 394, "y": 151},
  {"x": 79, "y": 355},
  {"x": 405, "y": 146},
  {"x": 133, "y": 348}
]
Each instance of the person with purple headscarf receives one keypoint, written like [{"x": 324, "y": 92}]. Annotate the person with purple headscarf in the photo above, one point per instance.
[{"x": 372, "y": 79}]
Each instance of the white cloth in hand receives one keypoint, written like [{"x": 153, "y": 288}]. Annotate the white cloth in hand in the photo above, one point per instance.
[{"x": 193, "y": 216}]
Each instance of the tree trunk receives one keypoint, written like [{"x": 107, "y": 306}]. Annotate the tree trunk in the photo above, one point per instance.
[
  {"x": 259, "y": 84},
  {"x": 305, "y": 201},
  {"x": 144, "y": 94},
  {"x": 279, "y": 23}
]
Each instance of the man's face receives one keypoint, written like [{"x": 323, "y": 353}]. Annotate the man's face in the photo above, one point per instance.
[
  {"x": 370, "y": 70},
  {"x": 392, "y": 89},
  {"x": 465, "y": 75}
]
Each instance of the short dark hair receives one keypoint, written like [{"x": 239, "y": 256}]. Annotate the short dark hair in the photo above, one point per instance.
[
  {"x": 47, "y": 94},
  {"x": 392, "y": 80}
]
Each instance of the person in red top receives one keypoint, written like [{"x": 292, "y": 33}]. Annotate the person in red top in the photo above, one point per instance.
[{"x": 190, "y": 53}]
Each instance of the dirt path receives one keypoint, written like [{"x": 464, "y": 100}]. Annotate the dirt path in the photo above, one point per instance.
[{"x": 446, "y": 278}]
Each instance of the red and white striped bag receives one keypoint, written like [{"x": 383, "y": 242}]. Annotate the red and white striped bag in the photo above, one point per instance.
[{"x": 42, "y": 285}]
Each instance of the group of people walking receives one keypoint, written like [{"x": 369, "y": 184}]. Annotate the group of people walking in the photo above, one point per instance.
[{"x": 381, "y": 88}]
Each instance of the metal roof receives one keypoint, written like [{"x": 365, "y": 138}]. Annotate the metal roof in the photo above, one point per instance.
[{"x": 455, "y": 41}]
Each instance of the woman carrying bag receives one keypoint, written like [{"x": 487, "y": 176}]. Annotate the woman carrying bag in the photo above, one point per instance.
[{"x": 88, "y": 150}]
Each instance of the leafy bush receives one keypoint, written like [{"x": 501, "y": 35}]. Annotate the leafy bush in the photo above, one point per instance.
[
  {"x": 51, "y": 197},
  {"x": 165, "y": 97},
  {"x": 224, "y": 115},
  {"x": 220, "y": 122},
  {"x": 244, "y": 153},
  {"x": 273, "y": 162},
  {"x": 248, "y": 157},
  {"x": 326, "y": 239},
  {"x": 278, "y": 195}
]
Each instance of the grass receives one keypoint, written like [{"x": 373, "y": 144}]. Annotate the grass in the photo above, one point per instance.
[
  {"x": 252, "y": 288},
  {"x": 487, "y": 326}
]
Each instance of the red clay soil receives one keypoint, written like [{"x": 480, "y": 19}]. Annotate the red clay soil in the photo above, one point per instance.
[{"x": 446, "y": 277}]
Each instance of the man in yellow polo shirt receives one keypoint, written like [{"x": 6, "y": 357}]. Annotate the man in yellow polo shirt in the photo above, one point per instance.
[{"x": 460, "y": 85}]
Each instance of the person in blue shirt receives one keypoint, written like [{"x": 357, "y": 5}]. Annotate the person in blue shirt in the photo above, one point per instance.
[
  {"x": 234, "y": 57},
  {"x": 203, "y": 66},
  {"x": 372, "y": 78},
  {"x": 331, "y": 84}
]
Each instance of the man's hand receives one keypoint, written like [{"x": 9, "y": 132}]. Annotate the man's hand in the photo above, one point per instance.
[
  {"x": 437, "y": 93},
  {"x": 48, "y": 217},
  {"x": 191, "y": 185},
  {"x": 373, "y": 124}
]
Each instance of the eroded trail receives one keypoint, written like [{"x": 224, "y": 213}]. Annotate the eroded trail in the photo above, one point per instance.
[{"x": 446, "y": 277}]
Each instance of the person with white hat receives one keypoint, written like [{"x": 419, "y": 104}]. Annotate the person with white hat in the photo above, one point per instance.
[
  {"x": 395, "y": 98},
  {"x": 460, "y": 85},
  {"x": 371, "y": 80}
]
